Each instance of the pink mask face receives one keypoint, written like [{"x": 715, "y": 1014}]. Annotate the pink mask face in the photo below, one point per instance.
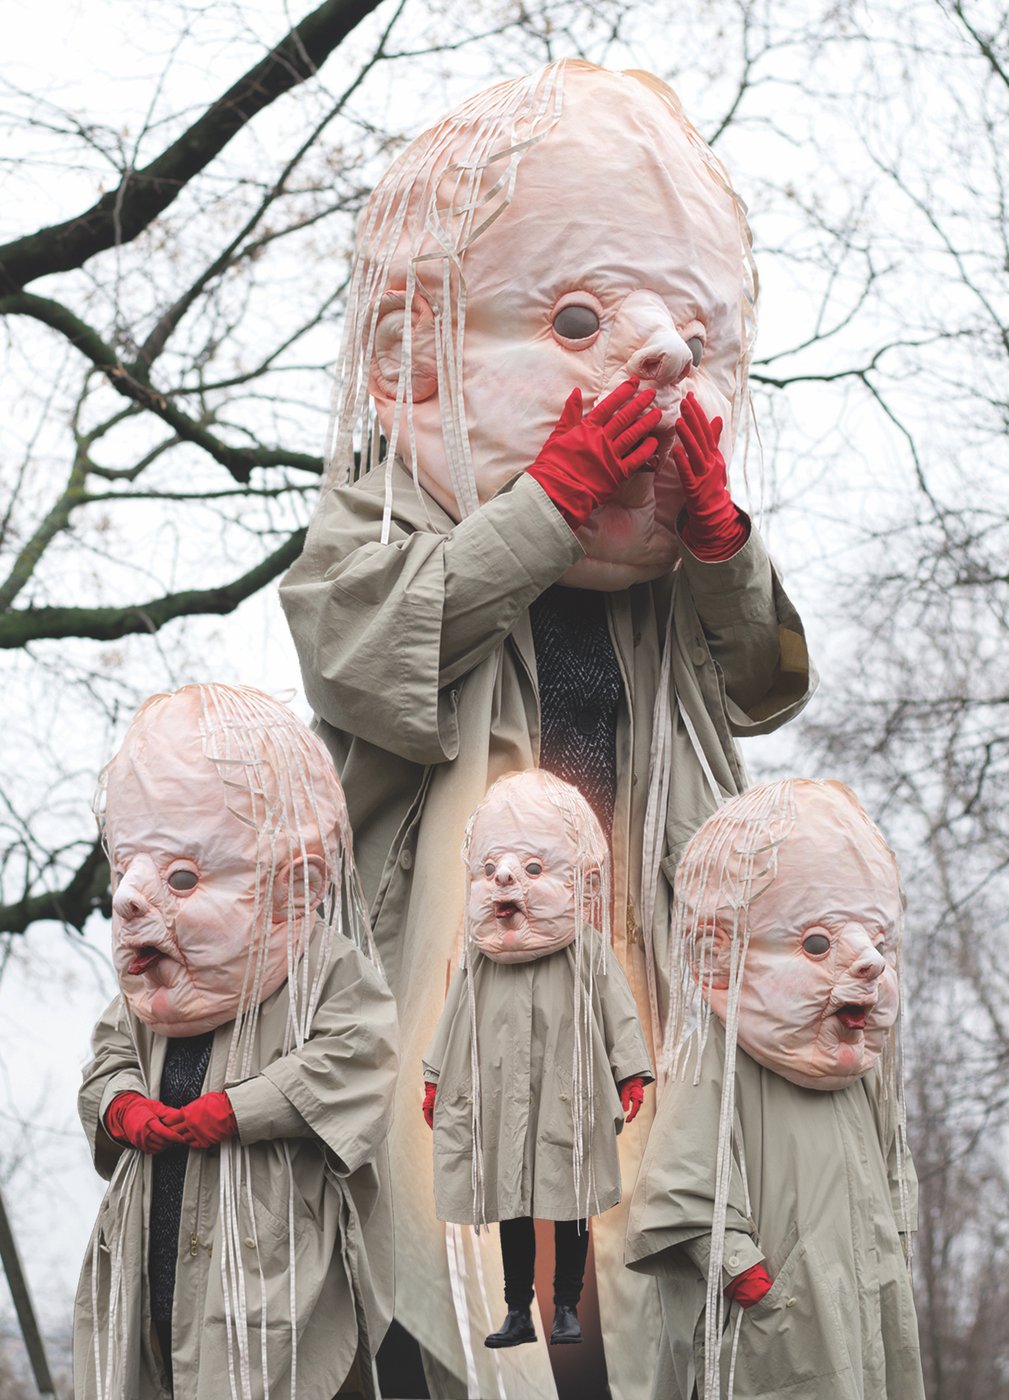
[
  {"x": 819, "y": 991},
  {"x": 559, "y": 297},
  {"x": 185, "y": 903},
  {"x": 522, "y": 871}
]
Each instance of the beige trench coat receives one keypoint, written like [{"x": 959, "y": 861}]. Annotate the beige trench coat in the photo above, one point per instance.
[
  {"x": 418, "y": 659},
  {"x": 328, "y": 1105},
  {"x": 825, "y": 1216},
  {"x": 525, "y": 1047}
]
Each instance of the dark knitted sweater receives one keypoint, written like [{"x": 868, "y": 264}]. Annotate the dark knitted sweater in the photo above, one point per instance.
[
  {"x": 580, "y": 687},
  {"x": 181, "y": 1082}
]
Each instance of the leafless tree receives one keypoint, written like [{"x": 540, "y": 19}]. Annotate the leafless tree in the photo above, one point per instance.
[{"x": 169, "y": 337}]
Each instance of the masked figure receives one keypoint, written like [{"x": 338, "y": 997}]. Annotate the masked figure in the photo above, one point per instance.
[
  {"x": 539, "y": 1051},
  {"x": 777, "y": 1199},
  {"x": 241, "y": 1086},
  {"x": 542, "y": 566}
]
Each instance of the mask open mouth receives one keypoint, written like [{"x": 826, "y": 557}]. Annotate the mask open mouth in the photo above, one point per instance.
[
  {"x": 853, "y": 1015},
  {"x": 507, "y": 909},
  {"x": 143, "y": 960}
]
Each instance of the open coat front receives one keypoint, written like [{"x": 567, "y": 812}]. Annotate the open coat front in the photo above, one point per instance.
[
  {"x": 825, "y": 1215},
  {"x": 525, "y": 1045},
  {"x": 327, "y": 1105},
  {"x": 418, "y": 659}
]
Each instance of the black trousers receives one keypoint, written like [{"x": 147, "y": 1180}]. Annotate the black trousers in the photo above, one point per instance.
[{"x": 518, "y": 1254}]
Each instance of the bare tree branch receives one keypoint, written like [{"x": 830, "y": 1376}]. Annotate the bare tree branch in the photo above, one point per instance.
[
  {"x": 123, "y": 213},
  {"x": 87, "y": 891},
  {"x": 17, "y": 629}
]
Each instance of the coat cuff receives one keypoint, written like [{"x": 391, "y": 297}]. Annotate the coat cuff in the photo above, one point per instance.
[
  {"x": 263, "y": 1112},
  {"x": 741, "y": 1253},
  {"x": 127, "y": 1081},
  {"x": 727, "y": 592}
]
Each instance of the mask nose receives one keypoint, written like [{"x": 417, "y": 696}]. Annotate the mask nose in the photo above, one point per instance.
[
  {"x": 868, "y": 963},
  {"x": 665, "y": 359},
  {"x": 130, "y": 901},
  {"x": 507, "y": 872}
]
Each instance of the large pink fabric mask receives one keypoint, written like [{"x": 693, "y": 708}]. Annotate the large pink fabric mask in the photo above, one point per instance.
[
  {"x": 795, "y": 882},
  {"x": 211, "y": 896},
  {"x": 609, "y": 247},
  {"x": 535, "y": 856}
]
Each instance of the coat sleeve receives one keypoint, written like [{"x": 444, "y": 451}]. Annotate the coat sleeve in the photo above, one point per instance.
[
  {"x": 672, "y": 1209},
  {"x": 754, "y": 635},
  {"x": 341, "y": 1082},
  {"x": 625, "y": 1040},
  {"x": 434, "y": 1057},
  {"x": 114, "y": 1069},
  {"x": 405, "y": 621}
]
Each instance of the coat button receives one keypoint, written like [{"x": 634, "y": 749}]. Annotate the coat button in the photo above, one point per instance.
[
  {"x": 791, "y": 1302},
  {"x": 733, "y": 1260},
  {"x": 405, "y": 858},
  {"x": 250, "y": 1243},
  {"x": 587, "y": 719},
  {"x": 698, "y": 656},
  {"x": 636, "y": 639}
]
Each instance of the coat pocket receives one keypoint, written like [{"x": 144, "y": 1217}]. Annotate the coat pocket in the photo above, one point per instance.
[
  {"x": 556, "y": 1122},
  {"x": 453, "y": 1120},
  {"x": 793, "y": 1335}
]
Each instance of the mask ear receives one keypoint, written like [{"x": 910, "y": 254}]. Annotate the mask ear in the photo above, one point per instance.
[
  {"x": 710, "y": 958},
  {"x": 291, "y": 899},
  {"x": 387, "y": 357}
]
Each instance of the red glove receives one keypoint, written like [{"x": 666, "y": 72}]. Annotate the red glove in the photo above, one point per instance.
[
  {"x": 208, "y": 1120},
  {"x": 714, "y": 528},
  {"x": 146, "y": 1124},
  {"x": 632, "y": 1096},
  {"x": 750, "y": 1286},
  {"x": 427, "y": 1108},
  {"x": 586, "y": 460}
]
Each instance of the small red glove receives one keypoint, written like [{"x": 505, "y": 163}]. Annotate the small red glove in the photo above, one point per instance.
[
  {"x": 586, "y": 460},
  {"x": 632, "y": 1096},
  {"x": 427, "y": 1108},
  {"x": 208, "y": 1120},
  {"x": 144, "y": 1123},
  {"x": 750, "y": 1286},
  {"x": 714, "y": 529}
]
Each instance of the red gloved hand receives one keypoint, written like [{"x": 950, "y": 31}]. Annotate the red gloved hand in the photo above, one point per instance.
[
  {"x": 750, "y": 1286},
  {"x": 714, "y": 528},
  {"x": 144, "y": 1123},
  {"x": 586, "y": 460},
  {"x": 427, "y": 1108},
  {"x": 632, "y": 1096},
  {"x": 208, "y": 1120}
]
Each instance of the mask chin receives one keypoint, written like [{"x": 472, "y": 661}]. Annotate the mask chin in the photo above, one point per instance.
[{"x": 609, "y": 576}]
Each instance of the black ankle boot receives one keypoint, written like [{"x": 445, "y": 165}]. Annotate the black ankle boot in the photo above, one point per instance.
[
  {"x": 516, "y": 1329},
  {"x": 566, "y": 1328}
]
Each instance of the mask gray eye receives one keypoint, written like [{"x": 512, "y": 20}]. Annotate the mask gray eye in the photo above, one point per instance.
[
  {"x": 534, "y": 868},
  {"x": 183, "y": 879},
  {"x": 696, "y": 347},
  {"x": 816, "y": 944},
  {"x": 576, "y": 322},
  {"x": 489, "y": 868}
]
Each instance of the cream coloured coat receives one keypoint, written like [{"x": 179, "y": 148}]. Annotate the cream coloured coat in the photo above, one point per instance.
[
  {"x": 417, "y": 657},
  {"x": 327, "y": 1105},
  {"x": 526, "y": 1030},
  {"x": 825, "y": 1215}
]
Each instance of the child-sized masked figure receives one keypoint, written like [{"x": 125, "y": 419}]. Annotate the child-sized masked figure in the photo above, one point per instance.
[
  {"x": 552, "y": 310},
  {"x": 776, "y": 1200},
  {"x": 241, "y": 1087},
  {"x": 539, "y": 1052}
]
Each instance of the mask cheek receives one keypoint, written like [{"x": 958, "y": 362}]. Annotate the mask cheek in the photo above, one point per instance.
[{"x": 888, "y": 1005}]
